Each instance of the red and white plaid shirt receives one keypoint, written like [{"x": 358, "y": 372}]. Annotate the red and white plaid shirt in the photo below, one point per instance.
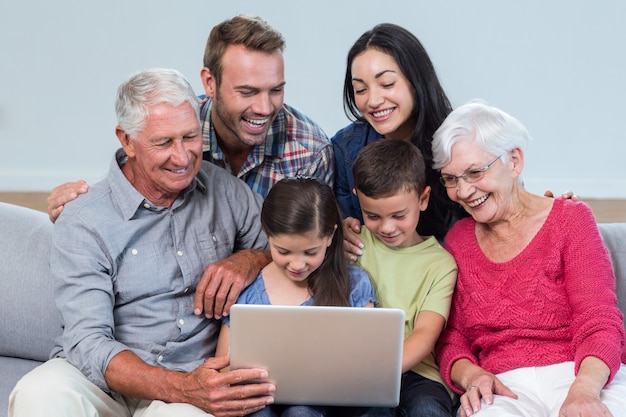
[{"x": 295, "y": 145}]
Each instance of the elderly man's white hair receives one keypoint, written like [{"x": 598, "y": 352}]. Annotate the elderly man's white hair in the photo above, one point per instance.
[{"x": 146, "y": 89}]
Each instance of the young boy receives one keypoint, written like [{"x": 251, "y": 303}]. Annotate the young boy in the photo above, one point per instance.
[{"x": 408, "y": 271}]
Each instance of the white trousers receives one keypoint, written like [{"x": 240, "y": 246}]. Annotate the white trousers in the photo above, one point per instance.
[
  {"x": 542, "y": 390},
  {"x": 58, "y": 389}
]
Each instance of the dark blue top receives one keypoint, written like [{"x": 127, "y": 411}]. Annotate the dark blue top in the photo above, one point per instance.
[{"x": 348, "y": 142}]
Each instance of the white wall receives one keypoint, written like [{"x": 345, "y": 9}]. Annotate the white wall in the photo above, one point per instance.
[{"x": 556, "y": 65}]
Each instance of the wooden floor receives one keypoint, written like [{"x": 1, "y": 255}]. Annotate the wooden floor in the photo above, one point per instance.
[{"x": 606, "y": 211}]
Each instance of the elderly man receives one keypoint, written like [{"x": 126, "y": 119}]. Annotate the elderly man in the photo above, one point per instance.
[{"x": 127, "y": 260}]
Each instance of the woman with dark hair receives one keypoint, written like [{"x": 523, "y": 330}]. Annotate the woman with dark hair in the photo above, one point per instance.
[{"x": 391, "y": 91}]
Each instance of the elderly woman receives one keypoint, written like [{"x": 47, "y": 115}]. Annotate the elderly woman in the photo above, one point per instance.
[{"x": 534, "y": 329}]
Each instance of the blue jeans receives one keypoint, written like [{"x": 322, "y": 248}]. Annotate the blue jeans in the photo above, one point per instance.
[
  {"x": 310, "y": 411},
  {"x": 423, "y": 397},
  {"x": 278, "y": 410},
  {"x": 419, "y": 397}
]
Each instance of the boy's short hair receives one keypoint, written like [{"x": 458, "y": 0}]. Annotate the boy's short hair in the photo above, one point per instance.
[{"x": 388, "y": 166}]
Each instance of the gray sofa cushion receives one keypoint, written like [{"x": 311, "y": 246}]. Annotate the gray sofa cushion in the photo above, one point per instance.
[
  {"x": 29, "y": 320},
  {"x": 614, "y": 235}
]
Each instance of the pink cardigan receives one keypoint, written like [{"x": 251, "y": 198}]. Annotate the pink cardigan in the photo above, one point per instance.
[{"x": 554, "y": 302}]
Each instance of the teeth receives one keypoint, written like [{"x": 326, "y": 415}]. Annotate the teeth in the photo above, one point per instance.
[
  {"x": 256, "y": 122},
  {"x": 382, "y": 113},
  {"x": 179, "y": 171},
  {"x": 479, "y": 201}
]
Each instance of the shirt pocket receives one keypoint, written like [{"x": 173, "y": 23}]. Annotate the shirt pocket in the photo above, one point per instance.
[
  {"x": 145, "y": 270},
  {"x": 214, "y": 245}
]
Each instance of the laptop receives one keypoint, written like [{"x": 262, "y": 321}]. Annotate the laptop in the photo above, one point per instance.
[{"x": 335, "y": 356}]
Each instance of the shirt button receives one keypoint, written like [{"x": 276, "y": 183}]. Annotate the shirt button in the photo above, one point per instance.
[
  {"x": 134, "y": 251},
  {"x": 160, "y": 358},
  {"x": 214, "y": 238},
  {"x": 180, "y": 253},
  {"x": 146, "y": 205},
  {"x": 181, "y": 322},
  {"x": 186, "y": 290}
]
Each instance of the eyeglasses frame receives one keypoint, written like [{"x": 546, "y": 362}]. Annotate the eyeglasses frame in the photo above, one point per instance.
[{"x": 464, "y": 175}]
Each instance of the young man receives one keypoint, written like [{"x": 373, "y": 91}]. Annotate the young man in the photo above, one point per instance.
[
  {"x": 409, "y": 271},
  {"x": 247, "y": 129}
]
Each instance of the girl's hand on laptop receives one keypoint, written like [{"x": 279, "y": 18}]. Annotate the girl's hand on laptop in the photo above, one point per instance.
[{"x": 352, "y": 245}]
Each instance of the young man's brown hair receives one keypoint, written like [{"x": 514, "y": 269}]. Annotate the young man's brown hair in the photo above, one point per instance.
[{"x": 250, "y": 31}]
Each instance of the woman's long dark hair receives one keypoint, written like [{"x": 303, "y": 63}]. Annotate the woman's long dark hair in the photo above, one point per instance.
[
  {"x": 303, "y": 205},
  {"x": 430, "y": 109}
]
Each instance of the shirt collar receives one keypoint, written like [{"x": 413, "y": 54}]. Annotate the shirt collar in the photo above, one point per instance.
[
  {"x": 272, "y": 140},
  {"x": 129, "y": 199}
]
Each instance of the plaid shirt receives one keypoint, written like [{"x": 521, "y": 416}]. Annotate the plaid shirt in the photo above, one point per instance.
[{"x": 295, "y": 145}]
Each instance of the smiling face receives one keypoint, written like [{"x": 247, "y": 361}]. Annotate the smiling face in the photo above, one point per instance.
[
  {"x": 166, "y": 155},
  {"x": 393, "y": 219},
  {"x": 249, "y": 96},
  {"x": 489, "y": 199},
  {"x": 383, "y": 94},
  {"x": 298, "y": 255}
]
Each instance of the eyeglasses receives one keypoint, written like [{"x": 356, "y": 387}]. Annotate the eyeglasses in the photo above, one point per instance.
[{"x": 470, "y": 177}]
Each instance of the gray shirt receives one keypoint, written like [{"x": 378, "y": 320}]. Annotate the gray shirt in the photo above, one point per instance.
[{"x": 125, "y": 271}]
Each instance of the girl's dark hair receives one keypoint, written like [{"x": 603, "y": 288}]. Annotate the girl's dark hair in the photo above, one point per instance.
[
  {"x": 430, "y": 109},
  {"x": 302, "y": 205}
]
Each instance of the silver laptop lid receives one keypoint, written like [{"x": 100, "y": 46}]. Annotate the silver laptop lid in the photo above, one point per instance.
[{"x": 322, "y": 355}]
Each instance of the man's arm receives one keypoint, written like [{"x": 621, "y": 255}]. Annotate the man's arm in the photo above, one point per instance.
[
  {"x": 62, "y": 195},
  {"x": 223, "y": 281},
  {"x": 221, "y": 394}
]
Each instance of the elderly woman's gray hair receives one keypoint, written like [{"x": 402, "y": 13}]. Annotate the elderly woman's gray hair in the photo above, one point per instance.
[
  {"x": 146, "y": 89},
  {"x": 495, "y": 131}
]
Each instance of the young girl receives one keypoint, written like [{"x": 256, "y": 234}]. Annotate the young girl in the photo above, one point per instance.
[{"x": 303, "y": 225}]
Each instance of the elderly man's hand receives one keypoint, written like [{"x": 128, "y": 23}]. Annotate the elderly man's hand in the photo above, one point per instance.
[
  {"x": 223, "y": 281},
  {"x": 232, "y": 393},
  {"x": 62, "y": 195}
]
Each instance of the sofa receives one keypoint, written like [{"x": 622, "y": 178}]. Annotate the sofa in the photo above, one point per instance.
[{"x": 29, "y": 321}]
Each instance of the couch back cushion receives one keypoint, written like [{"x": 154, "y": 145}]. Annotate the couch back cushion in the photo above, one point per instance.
[
  {"x": 614, "y": 235},
  {"x": 29, "y": 320}
]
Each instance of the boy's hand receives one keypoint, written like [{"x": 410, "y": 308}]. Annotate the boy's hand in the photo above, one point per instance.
[{"x": 352, "y": 245}]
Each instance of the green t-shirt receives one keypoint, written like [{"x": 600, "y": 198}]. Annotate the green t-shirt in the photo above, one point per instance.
[{"x": 417, "y": 278}]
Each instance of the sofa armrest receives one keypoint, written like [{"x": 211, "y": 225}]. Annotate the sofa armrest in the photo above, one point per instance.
[
  {"x": 29, "y": 320},
  {"x": 614, "y": 235}
]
